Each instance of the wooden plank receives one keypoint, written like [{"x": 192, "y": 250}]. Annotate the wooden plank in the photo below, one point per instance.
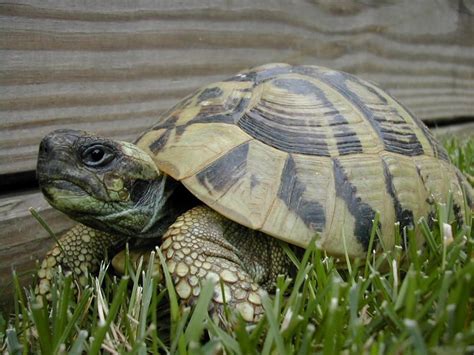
[
  {"x": 462, "y": 131},
  {"x": 23, "y": 240},
  {"x": 112, "y": 66}
]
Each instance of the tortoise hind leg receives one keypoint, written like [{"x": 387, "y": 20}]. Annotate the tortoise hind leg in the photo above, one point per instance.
[
  {"x": 80, "y": 251},
  {"x": 203, "y": 244}
]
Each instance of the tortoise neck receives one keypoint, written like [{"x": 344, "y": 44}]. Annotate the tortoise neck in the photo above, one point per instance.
[{"x": 171, "y": 199}]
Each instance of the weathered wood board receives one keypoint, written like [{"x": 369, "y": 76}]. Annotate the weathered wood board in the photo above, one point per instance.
[
  {"x": 23, "y": 240},
  {"x": 461, "y": 131},
  {"x": 113, "y": 66}
]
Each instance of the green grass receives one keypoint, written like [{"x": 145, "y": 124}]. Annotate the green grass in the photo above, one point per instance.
[
  {"x": 462, "y": 155},
  {"x": 413, "y": 301}
]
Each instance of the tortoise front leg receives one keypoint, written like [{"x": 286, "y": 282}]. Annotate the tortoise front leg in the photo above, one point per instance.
[
  {"x": 80, "y": 250},
  {"x": 203, "y": 244}
]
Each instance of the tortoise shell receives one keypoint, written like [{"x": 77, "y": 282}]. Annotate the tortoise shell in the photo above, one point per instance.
[{"x": 295, "y": 151}]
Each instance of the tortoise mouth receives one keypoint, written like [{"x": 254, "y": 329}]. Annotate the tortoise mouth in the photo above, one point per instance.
[
  {"x": 67, "y": 185},
  {"x": 56, "y": 191},
  {"x": 77, "y": 203}
]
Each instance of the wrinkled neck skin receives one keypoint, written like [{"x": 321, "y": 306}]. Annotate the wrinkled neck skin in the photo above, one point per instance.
[
  {"x": 159, "y": 207},
  {"x": 153, "y": 211}
]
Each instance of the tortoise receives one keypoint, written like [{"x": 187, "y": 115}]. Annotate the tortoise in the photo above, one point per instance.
[{"x": 275, "y": 154}]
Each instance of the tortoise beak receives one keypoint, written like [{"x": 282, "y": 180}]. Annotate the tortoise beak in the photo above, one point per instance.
[
  {"x": 59, "y": 164},
  {"x": 55, "y": 154}
]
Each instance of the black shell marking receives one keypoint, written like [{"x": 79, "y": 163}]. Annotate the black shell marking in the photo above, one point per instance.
[
  {"x": 291, "y": 192},
  {"x": 395, "y": 132},
  {"x": 362, "y": 212},
  {"x": 209, "y": 93},
  {"x": 226, "y": 171},
  {"x": 301, "y": 133},
  {"x": 404, "y": 216}
]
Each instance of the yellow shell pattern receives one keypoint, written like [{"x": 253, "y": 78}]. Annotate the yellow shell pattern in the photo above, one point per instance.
[{"x": 299, "y": 151}]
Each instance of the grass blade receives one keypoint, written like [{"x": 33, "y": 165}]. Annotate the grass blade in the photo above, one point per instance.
[
  {"x": 78, "y": 345},
  {"x": 102, "y": 329},
  {"x": 197, "y": 322}
]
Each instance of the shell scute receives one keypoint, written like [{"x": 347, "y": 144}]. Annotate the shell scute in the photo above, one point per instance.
[{"x": 241, "y": 184}]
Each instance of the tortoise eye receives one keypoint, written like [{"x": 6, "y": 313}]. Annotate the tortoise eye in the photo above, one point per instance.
[{"x": 97, "y": 156}]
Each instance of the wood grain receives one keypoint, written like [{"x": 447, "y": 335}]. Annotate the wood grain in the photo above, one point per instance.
[
  {"x": 463, "y": 131},
  {"x": 112, "y": 67},
  {"x": 23, "y": 240}
]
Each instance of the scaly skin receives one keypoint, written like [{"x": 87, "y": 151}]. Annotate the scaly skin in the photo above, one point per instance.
[
  {"x": 202, "y": 244},
  {"x": 80, "y": 251}
]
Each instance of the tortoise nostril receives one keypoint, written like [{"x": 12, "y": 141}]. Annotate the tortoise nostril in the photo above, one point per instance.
[
  {"x": 58, "y": 141},
  {"x": 43, "y": 149},
  {"x": 46, "y": 146}
]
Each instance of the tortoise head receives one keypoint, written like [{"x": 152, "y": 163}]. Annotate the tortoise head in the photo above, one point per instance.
[{"x": 105, "y": 184}]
